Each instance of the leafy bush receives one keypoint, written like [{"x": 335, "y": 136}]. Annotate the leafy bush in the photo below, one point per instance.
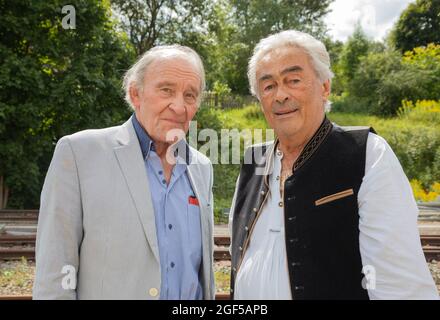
[
  {"x": 208, "y": 118},
  {"x": 382, "y": 80},
  {"x": 424, "y": 110},
  {"x": 425, "y": 195},
  {"x": 222, "y": 89},
  {"x": 416, "y": 143},
  {"x": 225, "y": 175},
  {"x": 253, "y": 112},
  {"x": 426, "y": 60},
  {"x": 350, "y": 104}
]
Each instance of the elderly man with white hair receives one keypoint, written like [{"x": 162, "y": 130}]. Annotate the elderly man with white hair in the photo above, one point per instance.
[
  {"x": 127, "y": 212},
  {"x": 323, "y": 212}
]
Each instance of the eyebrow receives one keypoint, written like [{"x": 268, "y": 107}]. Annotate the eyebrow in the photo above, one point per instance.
[
  {"x": 287, "y": 70},
  {"x": 292, "y": 69},
  {"x": 172, "y": 84},
  {"x": 194, "y": 89},
  {"x": 166, "y": 83}
]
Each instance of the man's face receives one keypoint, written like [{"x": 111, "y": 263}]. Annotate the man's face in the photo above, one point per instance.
[
  {"x": 290, "y": 92},
  {"x": 169, "y": 97}
]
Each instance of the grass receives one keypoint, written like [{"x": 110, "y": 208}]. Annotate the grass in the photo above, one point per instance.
[
  {"x": 222, "y": 278},
  {"x": 16, "y": 278}
]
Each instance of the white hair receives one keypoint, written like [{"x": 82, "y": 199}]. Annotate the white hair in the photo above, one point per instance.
[
  {"x": 135, "y": 75},
  {"x": 314, "y": 48}
]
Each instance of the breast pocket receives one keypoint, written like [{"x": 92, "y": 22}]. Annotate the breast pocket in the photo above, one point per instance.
[
  {"x": 335, "y": 209},
  {"x": 194, "y": 226},
  {"x": 334, "y": 197}
]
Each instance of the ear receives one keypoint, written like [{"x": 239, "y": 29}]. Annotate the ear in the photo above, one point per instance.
[
  {"x": 326, "y": 89},
  {"x": 135, "y": 96}
]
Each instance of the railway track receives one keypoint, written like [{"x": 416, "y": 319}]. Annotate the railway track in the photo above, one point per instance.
[
  {"x": 18, "y": 216},
  {"x": 427, "y": 211},
  {"x": 13, "y": 247},
  {"x": 16, "y": 247}
]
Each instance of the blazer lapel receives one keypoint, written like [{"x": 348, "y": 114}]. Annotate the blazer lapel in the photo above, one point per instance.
[
  {"x": 132, "y": 165},
  {"x": 198, "y": 184}
]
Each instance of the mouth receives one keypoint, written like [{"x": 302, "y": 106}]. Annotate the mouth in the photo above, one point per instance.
[
  {"x": 285, "y": 112},
  {"x": 176, "y": 122}
]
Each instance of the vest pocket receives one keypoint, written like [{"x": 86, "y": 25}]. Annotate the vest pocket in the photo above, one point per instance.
[{"x": 335, "y": 196}]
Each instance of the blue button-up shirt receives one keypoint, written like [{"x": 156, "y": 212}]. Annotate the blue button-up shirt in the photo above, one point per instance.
[{"x": 177, "y": 223}]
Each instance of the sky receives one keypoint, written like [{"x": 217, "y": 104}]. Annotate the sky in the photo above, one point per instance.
[{"x": 377, "y": 17}]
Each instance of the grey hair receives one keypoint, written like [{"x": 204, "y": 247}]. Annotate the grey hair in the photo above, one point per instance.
[
  {"x": 314, "y": 48},
  {"x": 135, "y": 75}
]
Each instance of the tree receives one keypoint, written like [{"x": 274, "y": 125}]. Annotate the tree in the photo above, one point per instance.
[
  {"x": 356, "y": 47},
  {"x": 334, "y": 48},
  {"x": 259, "y": 18},
  {"x": 426, "y": 60},
  {"x": 418, "y": 25},
  {"x": 149, "y": 22},
  {"x": 53, "y": 82},
  {"x": 383, "y": 80}
]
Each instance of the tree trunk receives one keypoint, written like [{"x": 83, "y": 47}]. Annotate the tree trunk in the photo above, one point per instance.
[{"x": 4, "y": 192}]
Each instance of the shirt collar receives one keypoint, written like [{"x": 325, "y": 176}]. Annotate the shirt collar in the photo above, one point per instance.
[
  {"x": 181, "y": 149},
  {"x": 144, "y": 139}
]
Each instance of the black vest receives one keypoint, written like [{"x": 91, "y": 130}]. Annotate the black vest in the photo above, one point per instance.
[{"x": 322, "y": 233}]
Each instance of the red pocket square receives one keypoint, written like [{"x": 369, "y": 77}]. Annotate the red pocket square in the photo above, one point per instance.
[{"x": 193, "y": 200}]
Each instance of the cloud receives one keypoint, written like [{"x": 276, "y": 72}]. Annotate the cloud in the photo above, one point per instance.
[{"x": 376, "y": 17}]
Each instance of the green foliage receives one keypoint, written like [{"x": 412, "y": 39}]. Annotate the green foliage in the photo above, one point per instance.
[
  {"x": 221, "y": 89},
  {"x": 208, "y": 118},
  {"x": 418, "y": 25},
  {"x": 334, "y": 48},
  {"x": 224, "y": 174},
  {"x": 349, "y": 103},
  {"x": 416, "y": 146},
  {"x": 426, "y": 111},
  {"x": 259, "y": 18},
  {"x": 383, "y": 79},
  {"x": 416, "y": 143},
  {"x": 151, "y": 22},
  {"x": 53, "y": 82},
  {"x": 367, "y": 82},
  {"x": 426, "y": 61},
  {"x": 356, "y": 47}
]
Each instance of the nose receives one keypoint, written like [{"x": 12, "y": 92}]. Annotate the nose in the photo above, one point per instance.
[
  {"x": 178, "y": 105},
  {"x": 281, "y": 95}
]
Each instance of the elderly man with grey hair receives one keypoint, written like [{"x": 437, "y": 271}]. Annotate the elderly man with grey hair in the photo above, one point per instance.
[
  {"x": 323, "y": 212},
  {"x": 127, "y": 212}
]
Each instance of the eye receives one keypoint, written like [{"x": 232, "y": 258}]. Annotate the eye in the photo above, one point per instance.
[
  {"x": 294, "y": 81},
  {"x": 269, "y": 87},
  {"x": 190, "y": 97},
  {"x": 166, "y": 90}
]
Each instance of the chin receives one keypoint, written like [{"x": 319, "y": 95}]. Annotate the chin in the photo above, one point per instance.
[{"x": 289, "y": 129}]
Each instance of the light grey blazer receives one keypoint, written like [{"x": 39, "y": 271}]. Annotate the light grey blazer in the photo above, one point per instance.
[{"x": 97, "y": 218}]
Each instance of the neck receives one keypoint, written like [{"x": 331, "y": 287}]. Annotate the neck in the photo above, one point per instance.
[
  {"x": 161, "y": 148},
  {"x": 293, "y": 145}
]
